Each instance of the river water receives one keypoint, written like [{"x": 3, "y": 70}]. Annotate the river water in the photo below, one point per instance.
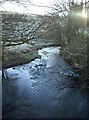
[{"x": 44, "y": 88}]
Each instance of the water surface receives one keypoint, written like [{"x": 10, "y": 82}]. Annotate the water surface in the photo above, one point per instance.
[{"x": 44, "y": 88}]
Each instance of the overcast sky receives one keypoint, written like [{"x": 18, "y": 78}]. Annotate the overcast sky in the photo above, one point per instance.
[{"x": 14, "y": 7}]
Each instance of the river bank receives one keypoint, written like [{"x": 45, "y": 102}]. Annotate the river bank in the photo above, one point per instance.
[
  {"x": 29, "y": 52},
  {"x": 79, "y": 67},
  {"x": 22, "y": 54}
]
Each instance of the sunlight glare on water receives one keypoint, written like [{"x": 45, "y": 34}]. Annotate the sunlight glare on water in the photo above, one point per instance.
[{"x": 49, "y": 54}]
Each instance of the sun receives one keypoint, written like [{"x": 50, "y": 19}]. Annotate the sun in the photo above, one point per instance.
[{"x": 84, "y": 14}]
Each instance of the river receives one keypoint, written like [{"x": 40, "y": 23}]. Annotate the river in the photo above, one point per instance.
[{"x": 44, "y": 88}]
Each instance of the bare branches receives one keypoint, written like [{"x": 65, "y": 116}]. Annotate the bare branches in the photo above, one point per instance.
[{"x": 19, "y": 29}]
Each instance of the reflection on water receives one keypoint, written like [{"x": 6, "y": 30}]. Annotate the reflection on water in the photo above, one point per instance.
[
  {"x": 49, "y": 55},
  {"x": 34, "y": 89}
]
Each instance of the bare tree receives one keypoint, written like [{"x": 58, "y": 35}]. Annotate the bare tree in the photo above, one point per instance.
[
  {"x": 18, "y": 29},
  {"x": 73, "y": 31}
]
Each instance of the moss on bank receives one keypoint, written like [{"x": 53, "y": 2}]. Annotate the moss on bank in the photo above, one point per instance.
[
  {"x": 12, "y": 58},
  {"x": 18, "y": 55}
]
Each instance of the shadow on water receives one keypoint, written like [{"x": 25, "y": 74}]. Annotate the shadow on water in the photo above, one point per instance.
[{"x": 44, "y": 88}]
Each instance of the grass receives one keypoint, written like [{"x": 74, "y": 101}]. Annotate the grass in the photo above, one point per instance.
[{"x": 18, "y": 55}]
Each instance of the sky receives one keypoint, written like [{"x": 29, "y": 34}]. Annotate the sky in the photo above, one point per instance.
[{"x": 14, "y": 7}]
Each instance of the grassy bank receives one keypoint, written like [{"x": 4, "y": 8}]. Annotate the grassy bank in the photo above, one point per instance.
[
  {"x": 18, "y": 55},
  {"x": 14, "y": 58}
]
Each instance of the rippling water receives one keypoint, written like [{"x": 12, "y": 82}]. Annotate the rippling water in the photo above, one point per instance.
[{"x": 41, "y": 89}]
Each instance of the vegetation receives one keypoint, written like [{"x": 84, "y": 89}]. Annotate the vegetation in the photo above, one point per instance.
[
  {"x": 28, "y": 88},
  {"x": 65, "y": 26},
  {"x": 17, "y": 30},
  {"x": 73, "y": 34}
]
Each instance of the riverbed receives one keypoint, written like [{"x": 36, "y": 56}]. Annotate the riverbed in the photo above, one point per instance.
[{"x": 44, "y": 88}]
